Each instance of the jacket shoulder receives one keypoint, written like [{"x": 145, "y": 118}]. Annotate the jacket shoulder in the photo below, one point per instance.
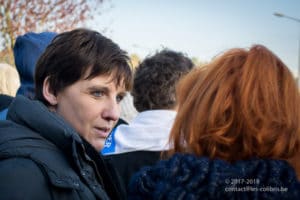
[
  {"x": 20, "y": 143},
  {"x": 22, "y": 179}
]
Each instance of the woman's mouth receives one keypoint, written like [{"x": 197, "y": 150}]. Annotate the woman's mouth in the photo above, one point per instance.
[{"x": 102, "y": 132}]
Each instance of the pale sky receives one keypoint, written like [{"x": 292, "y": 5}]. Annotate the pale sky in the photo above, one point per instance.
[{"x": 202, "y": 28}]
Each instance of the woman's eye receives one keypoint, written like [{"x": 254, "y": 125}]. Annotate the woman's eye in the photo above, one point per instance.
[
  {"x": 120, "y": 98},
  {"x": 97, "y": 93}
]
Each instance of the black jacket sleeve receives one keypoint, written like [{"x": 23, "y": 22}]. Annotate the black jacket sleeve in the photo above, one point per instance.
[{"x": 22, "y": 179}]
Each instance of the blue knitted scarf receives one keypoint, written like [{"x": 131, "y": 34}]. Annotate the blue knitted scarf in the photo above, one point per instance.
[{"x": 186, "y": 176}]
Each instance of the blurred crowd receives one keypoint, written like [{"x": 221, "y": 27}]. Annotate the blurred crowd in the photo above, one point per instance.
[{"x": 78, "y": 122}]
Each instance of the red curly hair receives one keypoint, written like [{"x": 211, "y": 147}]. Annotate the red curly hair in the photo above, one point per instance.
[{"x": 243, "y": 104}]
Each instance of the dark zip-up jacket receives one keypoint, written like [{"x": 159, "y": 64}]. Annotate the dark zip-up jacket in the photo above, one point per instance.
[{"x": 42, "y": 157}]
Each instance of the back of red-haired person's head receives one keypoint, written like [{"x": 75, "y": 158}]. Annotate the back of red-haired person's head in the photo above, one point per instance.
[{"x": 244, "y": 104}]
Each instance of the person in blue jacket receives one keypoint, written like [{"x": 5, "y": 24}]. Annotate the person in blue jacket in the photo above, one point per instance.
[
  {"x": 27, "y": 50},
  {"x": 49, "y": 146}
]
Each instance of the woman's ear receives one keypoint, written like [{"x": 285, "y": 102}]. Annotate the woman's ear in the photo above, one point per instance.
[{"x": 48, "y": 92}]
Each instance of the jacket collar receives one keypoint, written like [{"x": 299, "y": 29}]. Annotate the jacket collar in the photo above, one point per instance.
[{"x": 36, "y": 116}]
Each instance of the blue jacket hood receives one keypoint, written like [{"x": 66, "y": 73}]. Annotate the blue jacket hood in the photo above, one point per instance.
[
  {"x": 27, "y": 50},
  {"x": 186, "y": 176}
]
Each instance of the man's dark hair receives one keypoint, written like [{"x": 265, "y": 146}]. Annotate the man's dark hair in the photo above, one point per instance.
[
  {"x": 74, "y": 53},
  {"x": 155, "y": 80}
]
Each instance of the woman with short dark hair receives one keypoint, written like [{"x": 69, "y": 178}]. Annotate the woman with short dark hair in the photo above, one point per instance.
[{"x": 49, "y": 146}]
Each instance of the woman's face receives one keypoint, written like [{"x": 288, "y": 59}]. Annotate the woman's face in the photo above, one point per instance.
[{"x": 92, "y": 107}]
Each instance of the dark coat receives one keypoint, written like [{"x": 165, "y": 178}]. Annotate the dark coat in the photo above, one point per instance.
[
  {"x": 5, "y": 100},
  {"x": 128, "y": 163},
  {"x": 186, "y": 176},
  {"x": 43, "y": 158}
]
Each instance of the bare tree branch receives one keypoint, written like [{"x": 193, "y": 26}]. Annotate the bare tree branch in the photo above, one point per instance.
[{"x": 20, "y": 16}]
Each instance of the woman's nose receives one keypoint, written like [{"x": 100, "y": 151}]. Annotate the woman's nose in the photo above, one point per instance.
[{"x": 111, "y": 111}]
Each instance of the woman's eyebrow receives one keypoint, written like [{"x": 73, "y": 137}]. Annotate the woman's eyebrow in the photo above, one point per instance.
[
  {"x": 123, "y": 93},
  {"x": 103, "y": 88}
]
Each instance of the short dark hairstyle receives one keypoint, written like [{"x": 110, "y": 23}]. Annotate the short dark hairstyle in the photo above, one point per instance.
[
  {"x": 74, "y": 53},
  {"x": 155, "y": 80}
]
